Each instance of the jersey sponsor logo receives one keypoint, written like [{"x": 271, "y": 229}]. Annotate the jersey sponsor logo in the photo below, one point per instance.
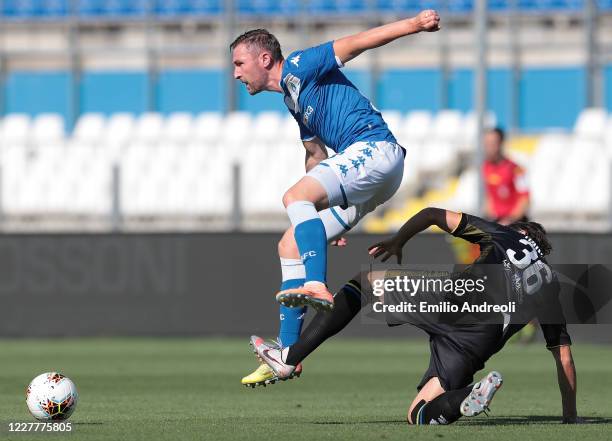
[
  {"x": 295, "y": 60},
  {"x": 307, "y": 114}
]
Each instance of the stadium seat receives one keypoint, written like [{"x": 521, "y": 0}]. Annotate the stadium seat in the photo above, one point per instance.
[
  {"x": 237, "y": 128},
  {"x": 289, "y": 129},
  {"x": 591, "y": 124},
  {"x": 178, "y": 128},
  {"x": 466, "y": 195},
  {"x": 393, "y": 119},
  {"x": 148, "y": 128},
  {"x": 89, "y": 128},
  {"x": 447, "y": 126},
  {"x": 16, "y": 129},
  {"x": 48, "y": 130},
  {"x": 119, "y": 131},
  {"x": 469, "y": 129},
  {"x": 207, "y": 128},
  {"x": 267, "y": 126},
  {"x": 416, "y": 126}
]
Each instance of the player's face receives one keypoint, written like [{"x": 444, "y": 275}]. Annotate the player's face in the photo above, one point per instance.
[
  {"x": 248, "y": 68},
  {"x": 492, "y": 146}
]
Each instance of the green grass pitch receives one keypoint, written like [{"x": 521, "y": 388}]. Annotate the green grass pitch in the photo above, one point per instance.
[{"x": 184, "y": 389}]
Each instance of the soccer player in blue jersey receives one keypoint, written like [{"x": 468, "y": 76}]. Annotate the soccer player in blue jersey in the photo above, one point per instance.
[{"x": 337, "y": 191}]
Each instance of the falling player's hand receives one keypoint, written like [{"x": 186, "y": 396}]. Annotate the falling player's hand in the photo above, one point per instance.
[
  {"x": 386, "y": 249},
  {"x": 428, "y": 21}
]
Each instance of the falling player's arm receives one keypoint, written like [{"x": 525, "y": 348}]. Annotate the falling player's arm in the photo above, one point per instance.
[
  {"x": 444, "y": 219},
  {"x": 566, "y": 375},
  {"x": 315, "y": 152},
  {"x": 347, "y": 48},
  {"x": 558, "y": 342}
]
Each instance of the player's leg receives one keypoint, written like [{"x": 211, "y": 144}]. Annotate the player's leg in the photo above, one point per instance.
[
  {"x": 293, "y": 276},
  {"x": 302, "y": 201},
  {"x": 337, "y": 221},
  {"x": 448, "y": 407},
  {"x": 365, "y": 175},
  {"x": 433, "y": 405},
  {"x": 324, "y": 325}
]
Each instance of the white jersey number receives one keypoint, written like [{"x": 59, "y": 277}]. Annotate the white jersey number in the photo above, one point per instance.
[{"x": 534, "y": 271}]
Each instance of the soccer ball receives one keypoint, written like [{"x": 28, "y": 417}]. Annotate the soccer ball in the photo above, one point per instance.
[{"x": 51, "y": 396}]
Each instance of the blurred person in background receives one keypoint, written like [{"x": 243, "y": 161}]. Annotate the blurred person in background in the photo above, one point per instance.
[
  {"x": 506, "y": 192},
  {"x": 506, "y": 196}
]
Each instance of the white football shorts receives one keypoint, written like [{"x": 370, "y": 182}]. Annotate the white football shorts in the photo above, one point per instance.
[{"x": 357, "y": 181}]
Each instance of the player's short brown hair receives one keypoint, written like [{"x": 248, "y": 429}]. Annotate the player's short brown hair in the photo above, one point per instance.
[{"x": 261, "y": 39}]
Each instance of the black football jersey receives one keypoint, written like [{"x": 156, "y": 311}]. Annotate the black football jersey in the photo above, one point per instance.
[{"x": 527, "y": 277}]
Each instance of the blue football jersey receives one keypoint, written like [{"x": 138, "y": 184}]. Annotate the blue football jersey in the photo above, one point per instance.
[{"x": 326, "y": 104}]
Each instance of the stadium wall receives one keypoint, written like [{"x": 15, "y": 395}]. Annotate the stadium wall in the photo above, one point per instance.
[
  {"x": 541, "y": 105},
  {"x": 64, "y": 285}
]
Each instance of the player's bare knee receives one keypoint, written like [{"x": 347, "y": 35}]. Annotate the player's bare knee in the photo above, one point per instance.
[{"x": 290, "y": 197}]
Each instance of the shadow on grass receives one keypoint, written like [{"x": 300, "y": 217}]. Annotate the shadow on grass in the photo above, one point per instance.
[
  {"x": 529, "y": 419},
  {"x": 491, "y": 421},
  {"x": 360, "y": 422}
]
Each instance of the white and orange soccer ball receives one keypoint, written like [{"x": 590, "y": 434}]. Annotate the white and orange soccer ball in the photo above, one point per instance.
[{"x": 51, "y": 397}]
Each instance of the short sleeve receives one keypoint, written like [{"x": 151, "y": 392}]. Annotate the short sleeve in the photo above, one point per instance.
[
  {"x": 476, "y": 230},
  {"x": 313, "y": 63}
]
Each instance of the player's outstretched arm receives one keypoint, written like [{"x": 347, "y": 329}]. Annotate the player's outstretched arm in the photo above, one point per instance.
[
  {"x": 347, "y": 48},
  {"x": 445, "y": 219},
  {"x": 566, "y": 375}
]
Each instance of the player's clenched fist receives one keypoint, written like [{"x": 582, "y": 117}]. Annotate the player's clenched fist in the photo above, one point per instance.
[{"x": 428, "y": 21}]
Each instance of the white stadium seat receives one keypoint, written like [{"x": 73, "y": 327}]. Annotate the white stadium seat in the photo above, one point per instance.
[
  {"x": 207, "y": 128},
  {"x": 178, "y": 128},
  {"x": 180, "y": 166},
  {"x": 148, "y": 128},
  {"x": 267, "y": 126},
  {"x": 16, "y": 129},
  {"x": 119, "y": 131},
  {"x": 447, "y": 125},
  {"x": 393, "y": 118},
  {"x": 416, "y": 126},
  {"x": 89, "y": 128},
  {"x": 469, "y": 129},
  {"x": 591, "y": 124}
]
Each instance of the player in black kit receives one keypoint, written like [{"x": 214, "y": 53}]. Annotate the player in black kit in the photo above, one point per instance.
[{"x": 458, "y": 351}]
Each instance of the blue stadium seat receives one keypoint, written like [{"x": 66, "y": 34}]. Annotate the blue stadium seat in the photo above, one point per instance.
[
  {"x": 20, "y": 8},
  {"x": 338, "y": 7},
  {"x": 204, "y": 7},
  {"x": 53, "y": 9},
  {"x": 113, "y": 8},
  {"x": 403, "y": 6}
]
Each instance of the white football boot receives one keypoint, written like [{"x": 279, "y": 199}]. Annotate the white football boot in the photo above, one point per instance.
[
  {"x": 273, "y": 356},
  {"x": 482, "y": 394}
]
